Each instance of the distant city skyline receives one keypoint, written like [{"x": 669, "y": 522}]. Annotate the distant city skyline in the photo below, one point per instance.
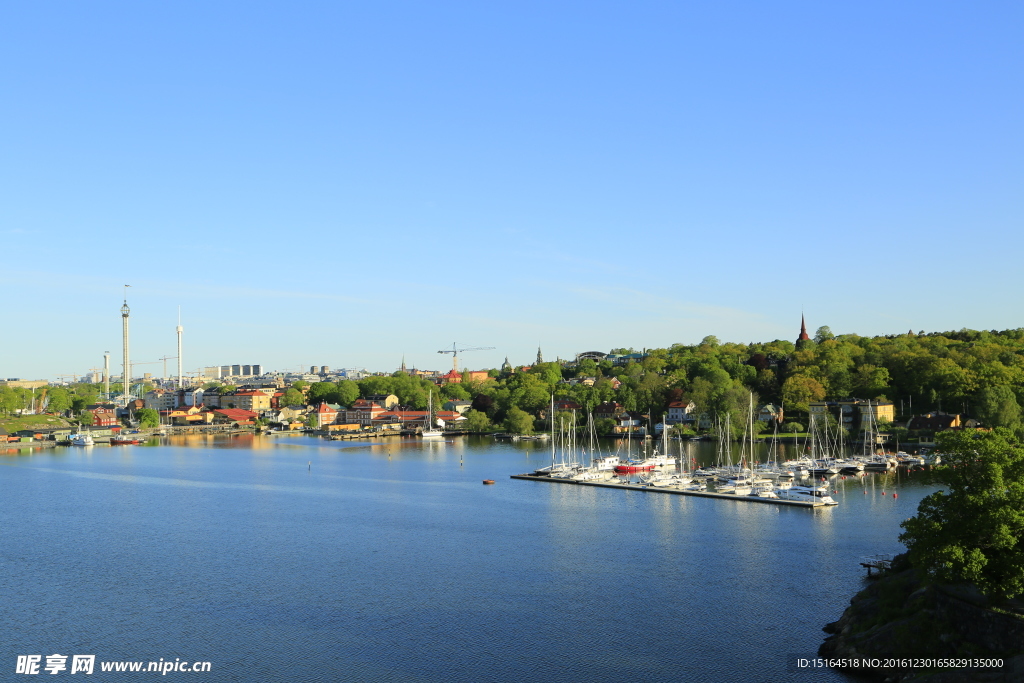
[{"x": 344, "y": 185}]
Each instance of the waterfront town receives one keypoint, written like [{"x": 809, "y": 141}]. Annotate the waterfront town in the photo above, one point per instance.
[{"x": 903, "y": 384}]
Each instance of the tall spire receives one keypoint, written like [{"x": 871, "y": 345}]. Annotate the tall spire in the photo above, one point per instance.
[
  {"x": 803, "y": 331},
  {"x": 540, "y": 356}
]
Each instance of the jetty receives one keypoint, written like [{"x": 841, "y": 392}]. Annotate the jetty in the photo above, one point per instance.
[{"x": 670, "y": 490}]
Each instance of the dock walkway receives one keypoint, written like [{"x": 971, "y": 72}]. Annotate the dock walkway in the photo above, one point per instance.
[{"x": 665, "y": 489}]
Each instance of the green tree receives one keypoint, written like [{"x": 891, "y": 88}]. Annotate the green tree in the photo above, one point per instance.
[
  {"x": 454, "y": 392},
  {"x": 800, "y": 390},
  {"x": 292, "y": 397},
  {"x": 348, "y": 392},
  {"x": 824, "y": 333},
  {"x": 58, "y": 400},
  {"x": 997, "y": 407},
  {"x": 9, "y": 400},
  {"x": 322, "y": 392},
  {"x": 518, "y": 421},
  {"x": 870, "y": 381},
  {"x": 477, "y": 421},
  {"x": 147, "y": 418},
  {"x": 971, "y": 530}
]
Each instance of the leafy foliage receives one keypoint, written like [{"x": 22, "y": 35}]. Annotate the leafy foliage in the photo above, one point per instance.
[
  {"x": 519, "y": 422},
  {"x": 148, "y": 418},
  {"x": 477, "y": 421},
  {"x": 973, "y": 530}
]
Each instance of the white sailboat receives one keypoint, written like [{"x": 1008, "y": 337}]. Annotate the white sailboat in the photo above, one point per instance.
[{"x": 430, "y": 431}]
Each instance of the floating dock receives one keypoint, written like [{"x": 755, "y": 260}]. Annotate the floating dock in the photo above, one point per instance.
[{"x": 666, "y": 489}]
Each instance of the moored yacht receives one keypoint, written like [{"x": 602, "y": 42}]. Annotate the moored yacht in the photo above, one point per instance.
[{"x": 807, "y": 494}]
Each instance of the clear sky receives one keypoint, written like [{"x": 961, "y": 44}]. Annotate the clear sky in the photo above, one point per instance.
[{"x": 345, "y": 183}]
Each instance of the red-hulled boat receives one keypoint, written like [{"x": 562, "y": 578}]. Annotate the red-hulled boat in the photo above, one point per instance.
[
  {"x": 123, "y": 441},
  {"x": 634, "y": 466}
]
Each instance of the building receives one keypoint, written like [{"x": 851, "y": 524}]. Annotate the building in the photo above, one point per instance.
[
  {"x": 255, "y": 401},
  {"x": 365, "y": 411},
  {"x": 327, "y": 413},
  {"x": 161, "y": 399},
  {"x": 16, "y": 383},
  {"x": 681, "y": 412},
  {"x": 853, "y": 413},
  {"x": 388, "y": 401},
  {"x": 233, "y": 416},
  {"x": 804, "y": 337},
  {"x": 769, "y": 412},
  {"x": 104, "y": 415},
  {"x": 461, "y": 407},
  {"x": 937, "y": 421}
]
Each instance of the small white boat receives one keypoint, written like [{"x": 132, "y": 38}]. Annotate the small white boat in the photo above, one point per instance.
[{"x": 80, "y": 439}]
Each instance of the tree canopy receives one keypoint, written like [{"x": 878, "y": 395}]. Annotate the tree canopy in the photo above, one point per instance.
[{"x": 973, "y": 530}]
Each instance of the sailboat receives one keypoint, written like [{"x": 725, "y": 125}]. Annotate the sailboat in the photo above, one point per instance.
[{"x": 429, "y": 430}]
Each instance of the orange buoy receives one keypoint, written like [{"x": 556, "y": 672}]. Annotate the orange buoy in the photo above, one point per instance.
[{"x": 895, "y": 495}]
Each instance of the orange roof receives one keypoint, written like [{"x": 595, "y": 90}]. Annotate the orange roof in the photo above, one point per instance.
[{"x": 236, "y": 413}]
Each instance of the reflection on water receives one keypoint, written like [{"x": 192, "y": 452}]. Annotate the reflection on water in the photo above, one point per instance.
[{"x": 291, "y": 558}]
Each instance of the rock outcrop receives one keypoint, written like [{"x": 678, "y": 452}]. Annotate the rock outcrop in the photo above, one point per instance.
[{"x": 899, "y": 617}]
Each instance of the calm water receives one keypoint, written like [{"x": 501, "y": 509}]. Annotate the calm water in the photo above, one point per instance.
[{"x": 293, "y": 559}]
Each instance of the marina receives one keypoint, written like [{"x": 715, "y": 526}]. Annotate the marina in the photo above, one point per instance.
[{"x": 674, "y": 491}]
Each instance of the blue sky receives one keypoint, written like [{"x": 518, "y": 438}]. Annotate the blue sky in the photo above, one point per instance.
[{"x": 343, "y": 184}]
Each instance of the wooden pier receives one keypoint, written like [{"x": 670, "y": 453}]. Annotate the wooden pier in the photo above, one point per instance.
[{"x": 666, "y": 489}]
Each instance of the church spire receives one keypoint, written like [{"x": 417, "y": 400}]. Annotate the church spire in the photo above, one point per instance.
[
  {"x": 540, "y": 356},
  {"x": 803, "y": 331}
]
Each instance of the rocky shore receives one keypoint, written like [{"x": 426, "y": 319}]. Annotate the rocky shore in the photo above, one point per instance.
[{"x": 899, "y": 617}]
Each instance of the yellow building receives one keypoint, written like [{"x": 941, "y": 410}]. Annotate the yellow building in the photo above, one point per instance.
[{"x": 255, "y": 401}]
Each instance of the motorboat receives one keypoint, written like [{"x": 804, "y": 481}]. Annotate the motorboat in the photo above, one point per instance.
[
  {"x": 82, "y": 439},
  {"x": 806, "y": 494}
]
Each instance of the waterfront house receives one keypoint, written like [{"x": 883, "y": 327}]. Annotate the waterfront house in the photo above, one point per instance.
[
  {"x": 769, "y": 412},
  {"x": 103, "y": 415},
  {"x": 364, "y": 411},
  {"x": 327, "y": 413},
  {"x": 681, "y": 412},
  {"x": 630, "y": 421},
  {"x": 608, "y": 409}
]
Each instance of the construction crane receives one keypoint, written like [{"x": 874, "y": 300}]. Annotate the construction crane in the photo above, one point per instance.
[
  {"x": 456, "y": 350},
  {"x": 165, "y": 359}
]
